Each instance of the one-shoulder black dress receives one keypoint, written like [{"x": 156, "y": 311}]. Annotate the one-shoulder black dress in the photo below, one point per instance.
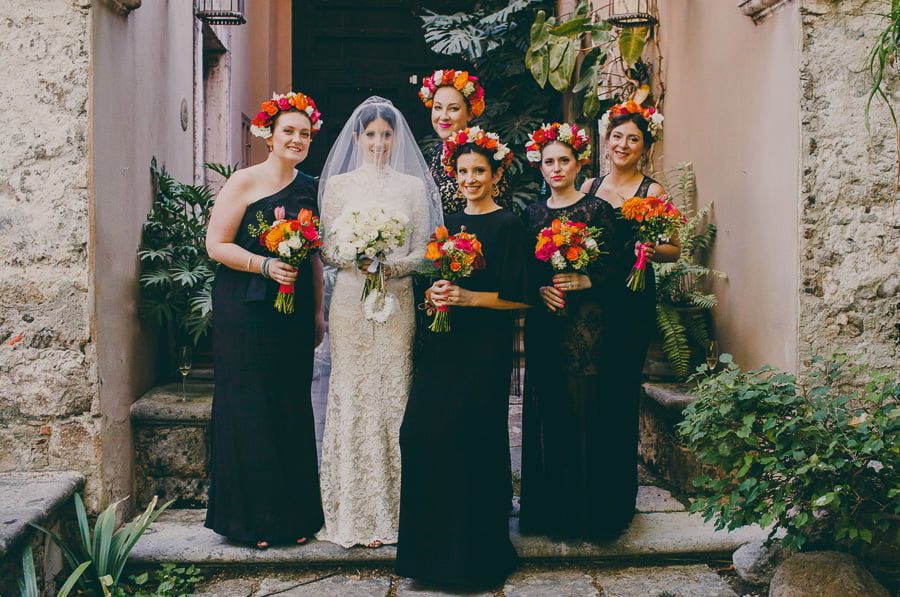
[{"x": 264, "y": 481}]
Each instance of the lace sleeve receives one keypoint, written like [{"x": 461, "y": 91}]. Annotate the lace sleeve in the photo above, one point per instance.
[
  {"x": 331, "y": 209},
  {"x": 419, "y": 234}
]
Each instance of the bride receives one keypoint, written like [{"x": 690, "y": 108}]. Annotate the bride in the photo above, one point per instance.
[{"x": 374, "y": 163}]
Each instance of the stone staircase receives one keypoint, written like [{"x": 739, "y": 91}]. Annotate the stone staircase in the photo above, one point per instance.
[{"x": 664, "y": 549}]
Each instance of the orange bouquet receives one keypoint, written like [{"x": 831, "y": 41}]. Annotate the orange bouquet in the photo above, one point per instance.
[
  {"x": 292, "y": 241},
  {"x": 657, "y": 219},
  {"x": 568, "y": 246},
  {"x": 453, "y": 257}
]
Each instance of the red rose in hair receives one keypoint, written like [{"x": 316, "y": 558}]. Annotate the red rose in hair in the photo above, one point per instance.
[{"x": 284, "y": 104}]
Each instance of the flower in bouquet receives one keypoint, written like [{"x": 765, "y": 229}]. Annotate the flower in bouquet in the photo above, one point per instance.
[
  {"x": 371, "y": 232},
  {"x": 292, "y": 241},
  {"x": 568, "y": 246},
  {"x": 656, "y": 219},
  {"x": 453, "y": 257}
]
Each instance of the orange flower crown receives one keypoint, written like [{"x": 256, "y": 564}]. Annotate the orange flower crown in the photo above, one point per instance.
[
  {"x": 570, "y": 134},
  {"x": 650, "y": 114},
  {"x": 501, "y": 154},
  {"x": 261, "y": 125},
  {"x": 460, "y": 80}
]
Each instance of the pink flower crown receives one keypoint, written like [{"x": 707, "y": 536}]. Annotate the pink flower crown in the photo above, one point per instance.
[
  {"x": 474, "y": 135},
  {"x": 570, "y": 134},
  {"x": 261, "y": 125},
  {"x": 654, "y": 119},
  {"x": 460, "y": 80}
]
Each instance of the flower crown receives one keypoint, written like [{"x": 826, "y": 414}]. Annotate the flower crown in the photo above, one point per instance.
[
  {"x": 474, "y": 135},
  {"x": 654, "y": 119},
  {"x": 261, "y": 125},
  {"x": 460, "y": 80},
  {"x": 569, "y": 134}
]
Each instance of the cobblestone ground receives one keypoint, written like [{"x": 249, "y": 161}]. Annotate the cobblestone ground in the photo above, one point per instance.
[{"x": 575, "y": 580}]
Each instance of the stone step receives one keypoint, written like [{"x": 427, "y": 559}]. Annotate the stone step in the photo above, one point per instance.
[
  {"x": 696, "y": 580},
  {"x": 179, "y": 536}
]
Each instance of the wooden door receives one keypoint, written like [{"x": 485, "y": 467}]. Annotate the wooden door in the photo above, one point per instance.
[{"x": 347, "y": 50}]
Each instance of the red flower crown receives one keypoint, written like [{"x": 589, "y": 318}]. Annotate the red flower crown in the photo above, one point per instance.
[
  {"x": 474, "y": 135},
  {"x": 570, "y": 134},
  {"x": 261, "y": 125},
  {"x": 460, "y": 80},
  {"x": 650, "y": 114}
]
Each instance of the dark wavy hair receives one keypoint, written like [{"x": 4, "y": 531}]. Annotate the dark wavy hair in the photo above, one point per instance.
[
  {"x": 373, "y": 112},
  {"x": 472, "y": 148},
  {"x": 637, "y": 119}
]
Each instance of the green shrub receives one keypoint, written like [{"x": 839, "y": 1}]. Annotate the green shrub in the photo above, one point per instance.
[{"x": 818, "y": 461}]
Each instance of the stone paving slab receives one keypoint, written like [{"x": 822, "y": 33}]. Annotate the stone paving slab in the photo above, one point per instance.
[
  {"x": 671, "y": 396},
  {"x": 656, "y": 499},
  {"x": 179, "y": 536},
  {"x": 409, "y": 588},
  {"x": 32, "y": 497},
  {"x": 680, "y": 581},
  {"x": 542, "y": 584},
  {"x": 167, "y": 404},
  {"x": 334, "y": 586}
]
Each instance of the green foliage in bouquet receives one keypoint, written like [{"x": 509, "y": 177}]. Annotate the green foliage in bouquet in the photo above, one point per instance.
[
  {"x": 682, "y": 306},
  {"x": 817, "y": 462},
  {"x": 97, "y": 561},
  {"x": 492, "y": 39},
  {"x": 176, "y": 273}
]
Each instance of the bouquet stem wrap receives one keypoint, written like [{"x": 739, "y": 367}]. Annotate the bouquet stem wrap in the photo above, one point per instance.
[{"x": 636, "y": 280}]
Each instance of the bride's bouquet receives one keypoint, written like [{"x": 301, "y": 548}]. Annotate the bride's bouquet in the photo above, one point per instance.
[
  {"x": 568, "y": 246},
  {"x": 657, "y": 220},
  {"x": 371, "y": 232},
  {"x": 292, "y": 241},
  {"x": 453, "y": 257}
]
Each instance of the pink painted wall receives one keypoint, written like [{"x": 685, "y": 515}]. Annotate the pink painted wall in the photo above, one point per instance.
[
  {"x": 142, "y": 68},
  {"x": 731, "y": 108}
]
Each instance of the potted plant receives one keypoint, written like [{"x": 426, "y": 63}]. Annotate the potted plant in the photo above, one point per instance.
[
  {"x": 176, "y": 273},
  {"x": 682, "y": 303}
]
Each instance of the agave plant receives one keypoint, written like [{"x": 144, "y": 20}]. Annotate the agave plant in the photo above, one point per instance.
[
  {"x": 177, "y": 274},
  {"x": 682, "y": 306},
  {"x": 28, "y": 586},
  {"x": 101, "y": 554}
]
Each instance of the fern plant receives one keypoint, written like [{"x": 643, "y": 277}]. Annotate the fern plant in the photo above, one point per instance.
[
  {"x": 176, "y": 273},
  {"x": 490, "y": 41},
  {"x": 682, "y": 305}
]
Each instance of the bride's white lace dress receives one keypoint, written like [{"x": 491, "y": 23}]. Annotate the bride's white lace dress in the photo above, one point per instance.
[{"x": 370, "y": 366}]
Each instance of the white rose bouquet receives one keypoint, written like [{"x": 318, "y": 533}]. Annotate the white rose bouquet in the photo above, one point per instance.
[{"x": 371, "y": 232}]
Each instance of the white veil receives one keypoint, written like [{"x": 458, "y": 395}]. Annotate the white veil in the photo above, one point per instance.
[{"x": 405, "y": 157}]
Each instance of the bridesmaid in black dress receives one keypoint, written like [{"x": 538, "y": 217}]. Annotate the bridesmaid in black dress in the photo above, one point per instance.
[
  {"x": 571, "y": 488},
  {"x": 452, "y": 110},
  {"x": 629, "y": 136},
  {"x": 264, "y": 482},
  {"x": 454, "y": 499}
]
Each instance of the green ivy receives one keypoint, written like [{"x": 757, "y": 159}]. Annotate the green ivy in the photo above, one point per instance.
[
  {"x": 176, "y": 272},
  {"x": 817, "y": 462}
]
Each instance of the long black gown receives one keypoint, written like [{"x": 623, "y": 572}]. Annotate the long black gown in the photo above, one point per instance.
[
  {"x": 574, "y": 423},
  {"x": 264, "y": 481},
  {"x": 454, "y": 443}
]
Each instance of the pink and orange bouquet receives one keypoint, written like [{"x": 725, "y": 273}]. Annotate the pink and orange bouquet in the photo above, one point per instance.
[
  {"x": 657, "y": 219},
  {"x": 568, "y": 246},
  {"x": 453, "y": 257},
  {"x": 292, "y": 241}
]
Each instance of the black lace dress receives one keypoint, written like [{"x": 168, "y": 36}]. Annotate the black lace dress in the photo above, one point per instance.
[
  {"x": 264, "y": 480},
  {"x": 454, "y": 441},
  {"x": 575, "y": 427}
]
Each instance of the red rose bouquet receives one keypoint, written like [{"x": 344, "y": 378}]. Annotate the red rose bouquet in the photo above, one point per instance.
[{"x": 453, "y": 257}]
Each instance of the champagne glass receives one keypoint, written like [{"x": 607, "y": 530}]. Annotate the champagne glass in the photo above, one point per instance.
[
  {"x": 712, "y": 355},
  {"x": 185, "y": 361}
]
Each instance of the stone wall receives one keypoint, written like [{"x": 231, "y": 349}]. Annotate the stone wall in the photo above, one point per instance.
[
  {"x": 49, "y": 407},
  {"x": 848, "y": 214}
]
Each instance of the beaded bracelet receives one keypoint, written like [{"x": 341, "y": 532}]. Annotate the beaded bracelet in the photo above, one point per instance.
[{"x": 264, "y": 268}]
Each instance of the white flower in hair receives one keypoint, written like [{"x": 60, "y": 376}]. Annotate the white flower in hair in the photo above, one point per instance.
[
  {"x": 262, "y": 132},
  {"x": 533, "y": 156},
  {"x": 468, "y": 89},
  {"x": 437, "y": 76},
  {"x": 565, "y": 134},
  {"x": 426, "y": 93}
]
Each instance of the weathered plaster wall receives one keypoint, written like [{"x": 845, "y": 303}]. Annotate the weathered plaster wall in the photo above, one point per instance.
[
  {"x": 732, "y": 92},
  {"x": 848, "y": 220},
  {"x": 142, "y": 71},
  {"x": 49, "y": 401}
]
